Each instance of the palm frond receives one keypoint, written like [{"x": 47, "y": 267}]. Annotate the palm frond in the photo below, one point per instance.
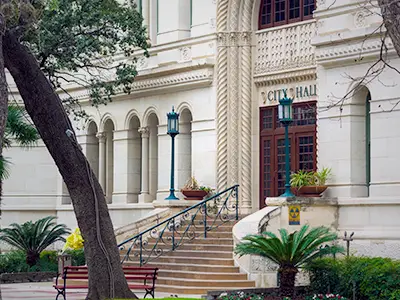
[
  {"x": 293, "y": 249},
  {"x": 34, "y": 237},
  {"x": 5, "y": 168},
  {"x": 19, "y": 129}
]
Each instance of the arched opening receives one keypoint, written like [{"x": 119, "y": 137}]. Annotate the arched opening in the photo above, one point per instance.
[
  {"x": 184, "y": 148},
  {"x": 153, "y": 155},
  {"x": 92, "y": 147},
  {"x": 134, "y": 160},
  {"x": 361, "y": 141},
  {"x": 109, "y": 159}
]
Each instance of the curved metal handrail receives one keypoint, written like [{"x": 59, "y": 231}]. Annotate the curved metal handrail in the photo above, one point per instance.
[{"x": 167, "y": 234}]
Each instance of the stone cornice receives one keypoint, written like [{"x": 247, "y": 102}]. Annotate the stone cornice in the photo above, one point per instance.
[
  {"x": 176, "y": 78},
  {"x": 286, "y": 76},
  {"x": 331, "y": 54}
]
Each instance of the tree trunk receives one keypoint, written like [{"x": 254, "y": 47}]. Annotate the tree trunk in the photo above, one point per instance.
[
  {"x": 32, "y": 258},
  {"x": 3, "y": 101},
  {"x": 391, "y": 17},
  {"x": 106, "y": 277},
  {"x": 287, "y": 278}
]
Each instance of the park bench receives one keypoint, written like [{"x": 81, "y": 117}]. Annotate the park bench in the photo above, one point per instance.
[{"x": 144, "y": 279}]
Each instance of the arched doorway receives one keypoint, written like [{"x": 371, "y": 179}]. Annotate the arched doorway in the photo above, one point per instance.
[
  {"x": 134, "y": 160},
  {"x": 92, "y": 147},
  {"x": 360, "y": 174},
  {"x": 184, "y": 148},
  {"x": 109, "y": 159},
  {"x": 153, "y": 155}
]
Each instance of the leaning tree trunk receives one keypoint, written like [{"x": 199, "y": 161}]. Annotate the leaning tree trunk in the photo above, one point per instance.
[
  {"x": 391, "y": 17},
  {"x": 45, "y": 108},
  {"x": 287, "y": 279},
  {"x": 3, "y": 100}
]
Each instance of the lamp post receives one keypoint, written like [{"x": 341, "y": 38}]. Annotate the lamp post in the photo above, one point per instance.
[
  {"x": 285, "y": 115},
  {"x": 172, "y": 130}
]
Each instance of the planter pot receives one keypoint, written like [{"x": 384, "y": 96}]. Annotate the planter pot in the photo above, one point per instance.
[
  {"x": 310, "y": 191},
  {"x": 194, "y": 194}
]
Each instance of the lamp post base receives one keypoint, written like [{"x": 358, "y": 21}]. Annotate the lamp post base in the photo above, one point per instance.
[
  {"x": 288, "y": 193},
  {"x": 172, "y": 196}
]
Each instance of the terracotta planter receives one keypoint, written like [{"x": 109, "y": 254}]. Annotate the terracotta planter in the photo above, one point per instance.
[
  {"x": 194, "y": 194},
  {"x": 310, "y": 191}
]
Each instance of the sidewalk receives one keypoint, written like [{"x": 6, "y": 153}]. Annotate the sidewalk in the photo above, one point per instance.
[{"x": 45, "y": 291}]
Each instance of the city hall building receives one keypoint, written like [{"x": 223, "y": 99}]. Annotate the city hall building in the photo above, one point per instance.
[{"x": 224, "y": 65}]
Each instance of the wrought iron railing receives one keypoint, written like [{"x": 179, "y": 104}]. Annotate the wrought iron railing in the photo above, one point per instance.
[{"x": 195, "y": 221}]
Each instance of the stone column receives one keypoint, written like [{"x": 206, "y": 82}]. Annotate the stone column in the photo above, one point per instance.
[
  {"x": 102, "y": 159},
  {"x": 144, "y": 194},
  {"x": 146, "y": 14},
  {"x": 121, "y": 166}
]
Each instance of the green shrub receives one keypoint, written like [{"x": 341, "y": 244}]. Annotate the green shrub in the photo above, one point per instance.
[
  {"x": 12, "y": 262},
  {"x": 78, "y": 257},
  {"x": 372, "y": 278}
]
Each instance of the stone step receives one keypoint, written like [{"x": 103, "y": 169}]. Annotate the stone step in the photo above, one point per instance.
[
  {"x": 188, "y": 267},
  {"x": 198, "y": 234},
  {"x": 195, "y": 261},
  {"x": 202, "y": 275},
  {"x": 179, "y": 289},
  {"x": 185, "y": 253},
  {"x": 193, "y": 246},
  {"x": 204, "y": 283}
]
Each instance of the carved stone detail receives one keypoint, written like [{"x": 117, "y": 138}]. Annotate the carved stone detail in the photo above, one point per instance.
[
  {"x": 222, "y": 98},
  {"x": 142, "y": 63},
  {"x": 285, "y": 48},
  {"x": 360, "y": 19},
  {"x": 212, "y": 23},
  {"x": 186, "y": 53},
  {"x": 144, "y": 132},
  {"x": 233, "y": 115},
  {"x": 102, "y": 136}
]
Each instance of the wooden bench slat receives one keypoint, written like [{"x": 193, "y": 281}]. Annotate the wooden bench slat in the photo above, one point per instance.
[{"x": 146, "y": 274}]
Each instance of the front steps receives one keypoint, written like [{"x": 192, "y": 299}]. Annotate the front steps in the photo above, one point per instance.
[{"x": 197, "y": 266}]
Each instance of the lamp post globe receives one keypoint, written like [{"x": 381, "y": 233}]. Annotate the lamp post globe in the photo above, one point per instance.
[
  {"x": 173, "y": 131},
  {"x": 285, "y": 116}
]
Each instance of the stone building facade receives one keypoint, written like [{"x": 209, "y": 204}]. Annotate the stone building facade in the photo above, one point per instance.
[{"x": 224, "y": 65}]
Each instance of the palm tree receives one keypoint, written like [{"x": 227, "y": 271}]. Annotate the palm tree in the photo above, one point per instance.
[
  {"x": 17, "y": 129},
  {"x": 290, "y": 251},
  {"x": 34, "y": 237}
]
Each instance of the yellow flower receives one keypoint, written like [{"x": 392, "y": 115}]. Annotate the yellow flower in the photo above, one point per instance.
[{"x": 74, "y": 241}]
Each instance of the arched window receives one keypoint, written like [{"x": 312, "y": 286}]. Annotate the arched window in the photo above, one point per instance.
[{"x": 280, "y": 12}]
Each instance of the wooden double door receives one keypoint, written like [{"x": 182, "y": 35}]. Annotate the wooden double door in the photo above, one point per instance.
[{"x": 302, "y": 137}]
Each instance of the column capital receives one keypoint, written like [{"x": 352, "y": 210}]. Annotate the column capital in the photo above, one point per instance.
[
  {"x": 102, "y": 136},
  {"x": 144, "y": 131}
]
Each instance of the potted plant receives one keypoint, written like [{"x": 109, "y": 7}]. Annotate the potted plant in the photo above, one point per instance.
[
  {"x": 310, "y": 184},
  {"x": 193, "y": 191}
]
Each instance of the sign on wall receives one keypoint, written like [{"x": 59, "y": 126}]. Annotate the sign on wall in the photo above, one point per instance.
[
  {"x": 297, "y": 92},
  {"x": 294, "y": 214}
]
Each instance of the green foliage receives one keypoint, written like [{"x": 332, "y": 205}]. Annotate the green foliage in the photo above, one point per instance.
[
  {"x": 290, "y": 250},
  {"x": 373, "y": 278},
  {"x": 34, "y": 237},
  {"x": 78, "y": 257},
  {"x": 15, "y": 262},
  {"x": 83, "y": 36},
  {"x": 306, "y": 178},
  {"x": 19, "y": 130}
]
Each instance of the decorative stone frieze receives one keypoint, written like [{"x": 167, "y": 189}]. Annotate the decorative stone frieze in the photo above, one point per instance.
[
  {"x": 186, "y": 53},
  {"x": 285, "y": 48}
]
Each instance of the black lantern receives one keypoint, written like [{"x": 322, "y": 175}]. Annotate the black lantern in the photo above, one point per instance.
[
  {"x": 172, "y": 130},
  {"x": 285, "y": 115},
  {"x": 285, "y": 110},
  {"x": 173, "y": 123}
]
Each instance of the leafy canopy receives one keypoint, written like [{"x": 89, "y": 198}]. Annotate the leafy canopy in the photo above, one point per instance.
[
  {"x": 84, "y": 43},
  {"x": 290, "y": 250}
]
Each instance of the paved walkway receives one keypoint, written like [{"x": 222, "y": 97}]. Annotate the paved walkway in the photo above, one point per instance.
[{"x": 45, "y": 291}]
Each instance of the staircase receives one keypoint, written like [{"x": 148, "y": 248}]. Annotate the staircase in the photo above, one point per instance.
[{"x": 199, "y": 265}]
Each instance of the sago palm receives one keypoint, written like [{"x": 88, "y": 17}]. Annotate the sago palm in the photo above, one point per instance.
[
  {"x": 34, "y": 237},
  {"x": 290, "y": 251},
  {"x": 19, "y": 130}
]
